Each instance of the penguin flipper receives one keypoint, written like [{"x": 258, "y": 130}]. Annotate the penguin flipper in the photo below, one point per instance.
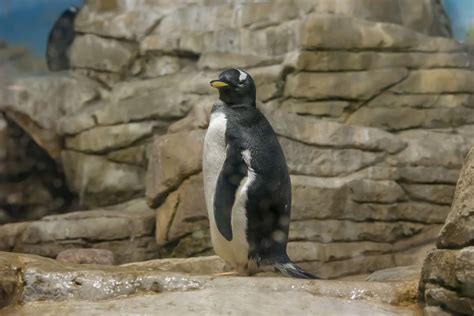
[{"x": 233, "y": 171}]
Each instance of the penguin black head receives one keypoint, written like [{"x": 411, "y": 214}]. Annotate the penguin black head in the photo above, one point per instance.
[{"x": 235, "y": 87}]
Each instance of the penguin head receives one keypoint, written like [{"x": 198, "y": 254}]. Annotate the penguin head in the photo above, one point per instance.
[{"x": 235, "y": 87}]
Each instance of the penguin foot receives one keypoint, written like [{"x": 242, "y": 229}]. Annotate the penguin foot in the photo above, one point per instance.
[{"x": 230, "y": 273}]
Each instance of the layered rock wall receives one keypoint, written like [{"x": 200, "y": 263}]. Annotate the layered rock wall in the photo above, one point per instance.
[{"x": 374, "y": 117}]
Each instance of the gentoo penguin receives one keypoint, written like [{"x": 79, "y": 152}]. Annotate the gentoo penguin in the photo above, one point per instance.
[
  {"x": 60, "y": 39},
  {"x": 246, "y": 182}
]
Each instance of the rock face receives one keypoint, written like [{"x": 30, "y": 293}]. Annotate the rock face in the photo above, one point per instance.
[
  {"x": 374, "y": 155},
  {"x": 448, "y": 271},
  {"x": 40, "y": 284}
]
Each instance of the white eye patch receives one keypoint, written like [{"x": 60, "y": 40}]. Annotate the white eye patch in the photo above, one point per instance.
[{"x": 242, "y": 75}]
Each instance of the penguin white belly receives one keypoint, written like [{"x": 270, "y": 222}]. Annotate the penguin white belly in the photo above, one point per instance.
[{"x": 234, "y": 251}]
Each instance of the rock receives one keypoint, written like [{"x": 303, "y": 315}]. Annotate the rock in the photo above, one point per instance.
[
  {"x": 221, "y": 61},
  {"x": 420, "y": 174},
  {"x": 171, "y": 164},
  {"x": 361, "y": 85},
  {"x": 459, "y": 228},
  {"x": 309, "y": 160},
  {"x": 448, "y": 271},
  {"x": 100, "y": 182},
  {"x": 108, "y": 138},
  {"x": 184, "y": 211},
  {"x": 438, "y": 193},
  {"x": 109, "y": 55},
  {"x": 312, "y": 131},
  {"x": 127, "y": 234},
  {"x": 406, "y": 273},
  {"x": 359, "y": 61},
  {"x": 86, "y": 256},
  {"x": 400, "y": 119},
  {"x": 134, "y": 155},
  {"x": 391, "y": 100},
  {"x": 45, "y": 281},
  {"x": 364, "y": 190},
  {"x": 269, "y": 81},
  {"x": 44, "y": 99},
  {"x": 438, "y": 81},
  {"x": 197, "y": 118},
  {"x": 9, "y": 234},
  {"x": 337, "y": 230},
  {"x": 432, "y": 149},
  {"x": 120, "y": 20},
  {"x": 197, "y": 265},
  {"x": 164, "y": 65},
  {"x": 359, "y": 34},
  {"x": 319, "y": 108}
]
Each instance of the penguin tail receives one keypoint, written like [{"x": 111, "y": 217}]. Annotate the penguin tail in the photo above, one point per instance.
[{"x": 290, "y": 269}]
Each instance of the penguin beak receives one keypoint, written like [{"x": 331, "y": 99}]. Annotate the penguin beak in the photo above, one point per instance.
[{"x": 218, "y": 84}]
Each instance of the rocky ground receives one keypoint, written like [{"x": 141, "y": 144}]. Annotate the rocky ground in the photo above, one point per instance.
[{"x": 184, "y": 286}]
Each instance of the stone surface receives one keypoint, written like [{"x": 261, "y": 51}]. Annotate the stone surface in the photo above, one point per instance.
[
  {"x": 353, "y": 61},
  {"x": 106, "y": 139},
  {"x": 128, "y": 234},
  {"x": 86, "y": 256},
  {"x": 447, "y": 278},
  {"x": 109, "y": 55},
  {"x": 93, "y": 286},
  {"x": 101, "y": 182},
  {"x": 361, "y": 85},
  {"x": 459, "y": 228},
  {"x": 359, "y": 34},
  {"x": 171, "y": 164},
  {"x": 397, "y": 274},
  {"x": 438, "y": 81}
]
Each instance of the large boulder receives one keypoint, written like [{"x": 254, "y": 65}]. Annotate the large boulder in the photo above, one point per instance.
[{"x": 448, "y": 272}]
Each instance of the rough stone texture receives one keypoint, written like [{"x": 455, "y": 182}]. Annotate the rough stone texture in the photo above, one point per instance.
[
  {"x": 127, "y": 234},
  {"x": 152, "y": 284},
  {"x": 448, "y": 272},
  {"x": 348, "y": 85},
  {"x": 100, "y": 182},
  {"x": 86, "y": 256},
  {"x": 374, "y": 151},
  {"x": 109, "y": 55}
]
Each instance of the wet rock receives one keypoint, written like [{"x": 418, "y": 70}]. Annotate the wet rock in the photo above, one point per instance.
[
  {"x": 86, "y": 256},
  {"x": 397, "y": 274},
  {"x": 93, "y": 286}
]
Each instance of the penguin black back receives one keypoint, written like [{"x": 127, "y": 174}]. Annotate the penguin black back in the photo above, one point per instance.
[
  {"x": 60, "y": 39},
  {"x": 251, "y": 198}
]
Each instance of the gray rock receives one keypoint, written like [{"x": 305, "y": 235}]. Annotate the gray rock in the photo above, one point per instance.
[
  {"x": 361, "y": 85},
  {"x": 109, "y": 55},
  {"x": 347, "y": 61},
  {"x": 170, "y": 164},
  {"x": 86, "y": 256},
  {"x": 459, "y": 228},
  {"x": 432, "y": 149},
  {"x": 337, "y": 230},
  {"x": 438, "y": 193},
  {"x": 310, "y": 160},
  {"x": 364, "y": 190},
  {"x": 405, "y": 273},
  {"x": 318, "y": 108},
  {"x": 100, "y": 182},
  {"x": 312, "y": 131},
  {"x": 359, "y": 34},
  {"x": 438, "y": 81}
]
